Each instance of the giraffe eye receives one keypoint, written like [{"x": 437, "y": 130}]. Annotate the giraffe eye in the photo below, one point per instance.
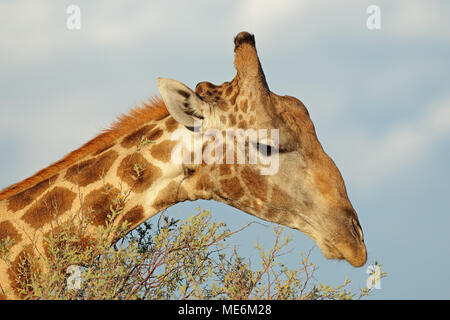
[{"x": 266, "y": 149}]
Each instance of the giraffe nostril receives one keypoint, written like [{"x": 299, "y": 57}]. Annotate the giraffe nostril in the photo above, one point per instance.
[{"x": 357, "y": 232}]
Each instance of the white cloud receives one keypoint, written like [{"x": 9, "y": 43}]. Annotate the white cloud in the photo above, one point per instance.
[
  {"x": 46, "y": 132},
  {"x": 401, "y": 147},
  {"x": 31, "y": 30},
  {"x": 119, "y": 24},
  {"x": 417, "y": 19},
  {"x": 27, "y": 29},
  {"x": 264, "y": 17}
]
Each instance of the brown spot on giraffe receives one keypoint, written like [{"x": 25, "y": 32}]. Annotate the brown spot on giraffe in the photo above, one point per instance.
[
  {"x": 232, "y": 119},
  {"x": 252, "y": 121},
  {"x": 134, "y": 216},
  {"x": 256, "y": 183},
  {"x": 155, "y": 134},
  {"x": 89, "y": 171},
  {"x": 98, "y": 203},
  {"x": 209, "y": 85},
  {"x": 105, "y": 148},
  {"x": 52, "y": 204},
  {"x": 171, "y": 124},
  {"x": 24, "y": 198},
  {"x": 243, "y": 125},
  {"x": 22, "y": 269},
  {"x": 233, "y": 97},
  {"x": 232, "y": 188},
  {"x": 244, "y": 105},
  {"x": 223, "y": 106},
  {"x": 133, "y": 139},
  {"x": 168, "y": 196},
  {"x": 199, "y": 90},
  {"x": 163, "y": 150},
  {"x": 225, "y": 169},
  {"x": 204, "y": 182},
  {"x": 7, "y": 229},
  {"x": 137, "y": 172},
  {"x": 228, "y": 91},
  {"x": 56, "y": 242}
]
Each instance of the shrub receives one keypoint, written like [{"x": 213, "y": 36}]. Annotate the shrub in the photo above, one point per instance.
[{"x": 177, "y": 260}]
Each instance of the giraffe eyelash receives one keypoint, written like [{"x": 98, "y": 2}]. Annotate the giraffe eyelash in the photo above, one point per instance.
[{"x": 269, "y": 149}]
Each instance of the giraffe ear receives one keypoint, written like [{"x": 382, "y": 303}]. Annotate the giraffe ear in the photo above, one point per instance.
[{"x": 183, "y": 104}]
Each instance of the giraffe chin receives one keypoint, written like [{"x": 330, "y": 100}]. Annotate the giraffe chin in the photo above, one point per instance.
[{"x": 355, "y": 255}]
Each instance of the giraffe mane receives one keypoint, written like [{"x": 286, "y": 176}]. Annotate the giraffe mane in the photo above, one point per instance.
[{"x": 154, "y": 109}]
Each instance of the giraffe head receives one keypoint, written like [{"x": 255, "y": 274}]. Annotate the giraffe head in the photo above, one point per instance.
[{"x": 305, "y": 191}]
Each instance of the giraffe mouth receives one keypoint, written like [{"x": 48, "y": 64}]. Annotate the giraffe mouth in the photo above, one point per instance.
[
  {"x": 352, "y": 249},
  {"x": 329, "y": 250},
  {"x": 357, "y": 257}
]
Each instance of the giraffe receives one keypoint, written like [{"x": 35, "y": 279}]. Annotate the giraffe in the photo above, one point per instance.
[{"x": 306, "y": 193}]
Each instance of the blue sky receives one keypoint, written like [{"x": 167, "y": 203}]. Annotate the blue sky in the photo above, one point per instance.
[{"x": 379, "y": 99}]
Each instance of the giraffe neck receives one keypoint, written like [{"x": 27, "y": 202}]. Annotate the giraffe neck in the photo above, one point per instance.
[{"x": 135, "y": 172}]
